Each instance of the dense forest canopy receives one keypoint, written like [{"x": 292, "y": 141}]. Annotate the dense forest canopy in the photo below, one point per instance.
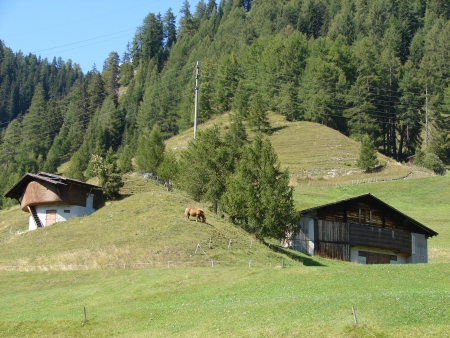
[{"x": 379, "y": 68}]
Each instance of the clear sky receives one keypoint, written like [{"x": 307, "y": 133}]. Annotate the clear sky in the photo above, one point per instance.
[{"x": 85, "y": 31}]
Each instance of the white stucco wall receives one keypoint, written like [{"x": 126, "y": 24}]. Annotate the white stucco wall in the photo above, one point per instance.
[{"x": 61, "y": 212}]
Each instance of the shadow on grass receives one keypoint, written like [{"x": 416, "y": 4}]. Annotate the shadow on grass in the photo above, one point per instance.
[
  {"x": 295, "y": 255},
  {"x": 376, "y": 169},
  {"x": 275, "y": 129}
]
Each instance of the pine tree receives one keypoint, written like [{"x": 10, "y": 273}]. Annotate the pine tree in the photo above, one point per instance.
[
  {"x": 150, "y": 151},
  {"x": 125, "y": 159},
  {"x": 258, "y": 195},
  {"x": 367, "y": 155},
  {"x": 258, "y": 115},
  {"x": 169, "y": 168},
  {"x": 111, "y": 72},
  {"x": 34, "y": 134},
  {"x": 186, "y": 23},
  {"x": 205, "y": 165},
  {"x": 169, "y": 30}
]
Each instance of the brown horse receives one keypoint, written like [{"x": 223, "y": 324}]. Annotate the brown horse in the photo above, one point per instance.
[{"x": 198, "y": 213}]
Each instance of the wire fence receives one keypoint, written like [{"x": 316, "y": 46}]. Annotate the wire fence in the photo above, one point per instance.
[
  {"x": 439, "y": 246},
  {"x": 169, "y": 264}
]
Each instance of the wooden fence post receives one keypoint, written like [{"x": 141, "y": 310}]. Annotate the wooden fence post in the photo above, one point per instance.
[{"x": 354, "y": 315}]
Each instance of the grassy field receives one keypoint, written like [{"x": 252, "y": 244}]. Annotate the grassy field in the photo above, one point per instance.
[
  {"x": 139, "y": 269},
  {"x": 245, "y": 292},
  {"x": 298, "y": 301},
  {"x": 314, "y": 154}
]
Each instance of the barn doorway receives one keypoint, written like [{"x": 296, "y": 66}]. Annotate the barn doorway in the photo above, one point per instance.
[
  {"x": 377, "y": 258},
  {"x": 50, "y": 217}
]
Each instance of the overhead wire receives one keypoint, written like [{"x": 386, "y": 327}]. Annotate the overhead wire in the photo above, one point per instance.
[
  {"x": 174, "y": 83},
  {"x": 147, "y": 3}
]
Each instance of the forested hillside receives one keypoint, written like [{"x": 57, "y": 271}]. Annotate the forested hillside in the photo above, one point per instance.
[{"x": 365, "y": 67}]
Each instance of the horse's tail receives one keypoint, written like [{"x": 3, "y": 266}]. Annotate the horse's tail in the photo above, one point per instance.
[{"x": 186, "y": 213}]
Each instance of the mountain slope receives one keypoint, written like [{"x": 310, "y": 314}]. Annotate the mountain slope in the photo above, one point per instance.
[
  {"x": 147, "y": 228},
  {"x": 313, "y": 153}
]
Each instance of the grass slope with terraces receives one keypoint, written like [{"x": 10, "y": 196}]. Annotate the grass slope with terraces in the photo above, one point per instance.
[
  {"x": 313, "y": 153},
  {"x": 140, "y": 270}
]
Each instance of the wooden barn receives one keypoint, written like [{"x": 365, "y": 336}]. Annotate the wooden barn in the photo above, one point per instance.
[
  {"x": 362, "y": 229},
  {"x": 52, "y": 198}
]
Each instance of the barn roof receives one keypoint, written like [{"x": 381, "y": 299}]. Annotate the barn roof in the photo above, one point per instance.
[
  {"x": 373, "y": 198},
  {"x": 17, "y": 190}
]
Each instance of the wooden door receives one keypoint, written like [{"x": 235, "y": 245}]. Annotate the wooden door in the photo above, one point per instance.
[
  {"x": 50, "y": 217},
  {"x": 377, "y": 258}
]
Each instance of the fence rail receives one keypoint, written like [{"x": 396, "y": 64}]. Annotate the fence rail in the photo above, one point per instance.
[
  {"x": 439, "y": 246},
  {"x": 154, "y": 264}
]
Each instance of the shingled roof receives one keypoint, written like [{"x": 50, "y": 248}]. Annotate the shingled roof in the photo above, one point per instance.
[{"x": 17, "y": 190}]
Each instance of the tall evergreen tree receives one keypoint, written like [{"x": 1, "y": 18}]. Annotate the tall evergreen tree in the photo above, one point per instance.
[
  {"x": 368, "y": 154},
  {"x": 258, "y": 195},
  {"x": 169, "y": 30},
  {"x": 150, "y": 151}
]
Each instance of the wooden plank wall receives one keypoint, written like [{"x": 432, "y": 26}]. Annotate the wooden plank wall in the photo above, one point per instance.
[
  {"x": 329, "y": 231},
  {"x": 335, "y": 251},
  {"x": 77, "y": 195},
  {"x": 390, "y": 239},
  {"x": 333, "y": 240},
  {"x": 368, "y": 212}
]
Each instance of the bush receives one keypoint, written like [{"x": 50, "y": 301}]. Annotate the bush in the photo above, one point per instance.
[{"x": 433, "y": 162}]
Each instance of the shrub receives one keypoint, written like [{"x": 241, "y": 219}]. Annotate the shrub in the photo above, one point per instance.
[{"x": 433, "y": 162}]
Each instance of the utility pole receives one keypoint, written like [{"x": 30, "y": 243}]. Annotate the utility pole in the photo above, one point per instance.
[
  {"x": 426, "y": 117},
  {"x": 196, "y": 99}
]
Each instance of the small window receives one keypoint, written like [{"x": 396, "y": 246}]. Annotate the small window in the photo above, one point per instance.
[
  {"x": 393, "y": 258},
  {"x": 362, "y": 253},
  {"x": 67, "y": 211}
]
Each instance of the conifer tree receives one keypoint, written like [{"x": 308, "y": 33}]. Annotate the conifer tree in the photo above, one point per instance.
[
  {"x": 257, "y": 115},
  {"x": 205, "y": 165},
  {"x": 367, "y": 155},
  {"x": 186, "y": 23},
  {"x": 169, "y": 30},
  {"x": 169, "y": 168},
  {"x": 150, "y": 151},
  {"x": 258, "y": 195}
]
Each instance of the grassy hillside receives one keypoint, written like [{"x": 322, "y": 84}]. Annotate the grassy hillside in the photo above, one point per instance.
[
  {"x": 313, "y": 153},
  {"x": 139, "y": 269},
  {"x": 390, "y": 301},
  {"x": 146, "y": 228}
]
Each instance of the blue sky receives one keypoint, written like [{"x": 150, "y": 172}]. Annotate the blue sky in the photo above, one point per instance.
[{"x": 85, "y": 31}]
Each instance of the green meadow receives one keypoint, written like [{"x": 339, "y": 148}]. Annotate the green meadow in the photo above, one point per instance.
[
  {"x": 136, "y": 268},
  {"x": 297, "y": 301}
]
